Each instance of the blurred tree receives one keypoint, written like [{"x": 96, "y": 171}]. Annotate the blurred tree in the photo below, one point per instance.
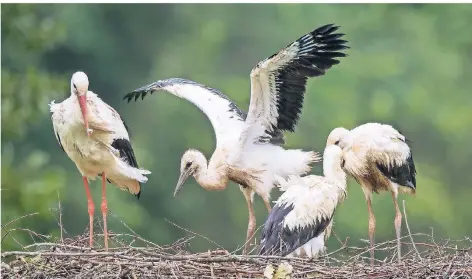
[
  {"x": 29, "y": 184},
  {"x": 409, "y": 66}
]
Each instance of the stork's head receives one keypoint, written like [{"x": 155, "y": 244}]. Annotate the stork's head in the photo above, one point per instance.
[
  {"x": 79, "y": 87},
  {"x": 191, "y": 163},
  {"x": 336, "y": 136}
]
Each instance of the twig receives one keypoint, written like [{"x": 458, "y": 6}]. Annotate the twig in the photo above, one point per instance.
[
  {"x": 409, "y": 232},
  {"x": 30, "y": 232},
  {"x": 56, "y": 245},
  {"x": 61, "y": 227},
  {"x": 131, "y": 230},
  {"x": 199, "y": 235},
  {"x": 73, "y": 259},
  {"x": 19, "y": 218},
  {"x": 54, "y": 254}
]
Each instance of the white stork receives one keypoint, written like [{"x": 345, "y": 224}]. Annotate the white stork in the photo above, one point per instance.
[
  {"x": 249, "y": 146},
  {"x": 379, "y": 159},
  {"x": 301, "y": 219},
  {"x": 96, "y": 139}
]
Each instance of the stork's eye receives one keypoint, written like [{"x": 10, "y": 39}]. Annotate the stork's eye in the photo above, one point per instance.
[
  {"x": 337, "y": 142},
  {"x": 342, "y": 163},
  {"x": 188, "y": 165}
]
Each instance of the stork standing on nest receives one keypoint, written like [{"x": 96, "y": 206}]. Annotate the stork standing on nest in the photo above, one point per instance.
[
  {"x": 380, "y": 159},
  {"x": 249, "y": 146},
  {"x": 301, "y": 220},
  {"x": 93, "y": 136}
]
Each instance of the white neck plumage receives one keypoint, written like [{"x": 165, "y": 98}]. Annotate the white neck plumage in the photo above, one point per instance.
[
  {"x": 210, "y": 179},
  {"x": 332, "y": 167}
]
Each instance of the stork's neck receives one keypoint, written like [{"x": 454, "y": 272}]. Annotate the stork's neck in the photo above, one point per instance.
[
  {"x": 332, "y": 170},
  {"x": 211, "y": 179}
]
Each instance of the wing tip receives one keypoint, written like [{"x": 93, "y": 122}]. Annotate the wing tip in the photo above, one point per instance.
[
  {"x": 140, "y": 92},
  {"x": 326, "y": 34},
  {"x": 326, "y": 29},
  {"x": 129, "y": 96}
]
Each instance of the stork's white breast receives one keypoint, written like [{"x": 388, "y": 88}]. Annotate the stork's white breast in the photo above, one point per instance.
[{"x": 92, "y": 155}]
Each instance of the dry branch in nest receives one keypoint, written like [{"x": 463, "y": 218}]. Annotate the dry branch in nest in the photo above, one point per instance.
[
  {"x": 73, "y": 259},
  {"x": 135, "y": 257}
]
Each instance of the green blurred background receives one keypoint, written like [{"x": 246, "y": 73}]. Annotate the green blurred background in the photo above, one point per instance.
[{"x": 408, "y": 65}]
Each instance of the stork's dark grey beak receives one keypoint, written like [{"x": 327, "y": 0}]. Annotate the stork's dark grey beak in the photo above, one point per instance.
[{"x": 182, "y": 178}]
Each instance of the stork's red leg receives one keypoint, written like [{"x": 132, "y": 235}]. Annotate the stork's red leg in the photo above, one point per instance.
[
  {"x": 91, "y": 207},
  {"x": 371, "y": 229},
  {"x": 251, "y": 226},
  {"x": 398, "y": 225},
  {"x": 104, "y": 209}
]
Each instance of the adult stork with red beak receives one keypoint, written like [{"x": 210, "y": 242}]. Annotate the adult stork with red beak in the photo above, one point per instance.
[{"x": 96, "y": 139}]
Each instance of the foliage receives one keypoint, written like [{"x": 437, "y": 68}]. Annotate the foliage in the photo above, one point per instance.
[
  {"x": 409, "y": 66},
  {"x": 29, "y": 183}
]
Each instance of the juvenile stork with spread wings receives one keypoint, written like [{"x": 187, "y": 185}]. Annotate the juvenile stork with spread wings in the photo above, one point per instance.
[
  {"x": 96, "y": 139},
  {"x": 249, "y": 147},
  {"x": 380, "y": 159}
]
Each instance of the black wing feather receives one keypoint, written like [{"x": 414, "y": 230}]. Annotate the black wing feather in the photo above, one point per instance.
[
  {"x": 404, "y": 174},
  {"x": 126, "y": 153},
  {"x": 59, "y": 140},
  {"x": 317, "y": 52},
  {"x": 279, "y": 240}
]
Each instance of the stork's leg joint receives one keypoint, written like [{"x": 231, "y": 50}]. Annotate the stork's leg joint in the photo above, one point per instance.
[
  {"x": 104, "y": 206},
  {"x": 91, "y": 207}
]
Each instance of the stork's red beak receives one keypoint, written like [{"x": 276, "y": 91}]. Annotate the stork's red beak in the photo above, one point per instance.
[{"x": 83, "y": 108}]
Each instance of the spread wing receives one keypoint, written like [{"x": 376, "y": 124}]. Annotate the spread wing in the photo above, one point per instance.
[
  {"x": 225, "y": 116},
  {"x": 278, "y": 83}
]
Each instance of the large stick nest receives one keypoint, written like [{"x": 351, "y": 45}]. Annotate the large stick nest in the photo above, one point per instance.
[{"x": 135, "y": 257}]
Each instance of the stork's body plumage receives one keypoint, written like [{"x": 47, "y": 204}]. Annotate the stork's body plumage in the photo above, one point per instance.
[
  {"x": 380, "y": 159},
  {"x": 301, "y": 220},
  {"x": 249, "y": 146},
  {"x": 101, "y": 149}
]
